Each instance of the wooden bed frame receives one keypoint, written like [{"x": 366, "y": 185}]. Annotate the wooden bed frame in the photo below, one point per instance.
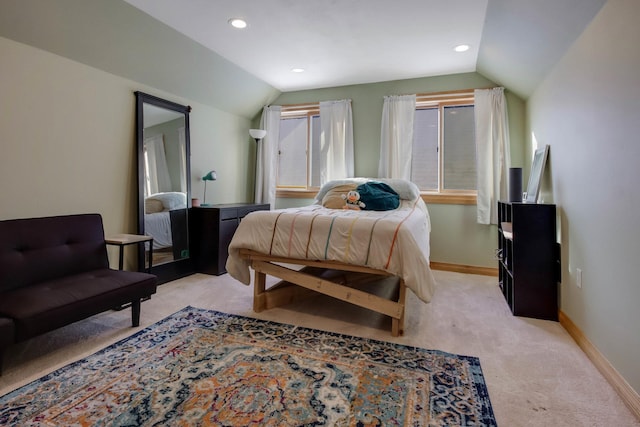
[{"x": 330, "y": 278}]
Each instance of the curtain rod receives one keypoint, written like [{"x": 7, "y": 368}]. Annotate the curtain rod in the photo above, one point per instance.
[
  {"x": 450, "y": 92},
  {"x": 310, "y": 105},
  {"x": 301, "y": 106},
  {"x": 419, "y": 95}
]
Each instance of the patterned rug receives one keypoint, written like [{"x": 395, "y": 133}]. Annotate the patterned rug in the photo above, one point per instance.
[{"x": 205, "y": 368}]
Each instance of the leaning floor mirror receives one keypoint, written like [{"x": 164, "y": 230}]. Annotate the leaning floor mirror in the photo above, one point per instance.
[
  {"x": 164, "y": 187},
  {"x": 535, "y": 176}
]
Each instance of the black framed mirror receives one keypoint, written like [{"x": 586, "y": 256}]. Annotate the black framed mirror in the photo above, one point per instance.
[{"x": 164, "y": 184}]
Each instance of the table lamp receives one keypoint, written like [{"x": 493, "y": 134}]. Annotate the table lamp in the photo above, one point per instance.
[{"x": 211, "y": 176}]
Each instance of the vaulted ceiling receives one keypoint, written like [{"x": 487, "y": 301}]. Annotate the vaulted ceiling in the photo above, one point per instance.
[
  {"x": 341, "y": 42},
  {"x": 187, "y": 47}
]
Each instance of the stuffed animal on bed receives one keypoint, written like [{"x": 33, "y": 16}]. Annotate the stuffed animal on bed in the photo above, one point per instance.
[{"x": 353, "y": 200}]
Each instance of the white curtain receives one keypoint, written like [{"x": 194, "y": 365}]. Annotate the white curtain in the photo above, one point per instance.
[
  {"x": 182, "y": 150},
  {"x": 493, "y": 153},
  {"x": 396, "y": 136},
  {"x": 157, "y": 173},
  {"x": 267, "y": 156},
  {"x": 336, "y": 140}
]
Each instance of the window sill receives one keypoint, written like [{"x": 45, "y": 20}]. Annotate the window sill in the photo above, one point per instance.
[
  {"x": 450, "y": 198},
  {"x": 433, "y": 198},
  {"x": 296, "y": 193}
]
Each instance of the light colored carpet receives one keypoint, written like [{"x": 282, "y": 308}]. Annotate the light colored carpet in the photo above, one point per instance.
[{"x": 535, "y": 373}]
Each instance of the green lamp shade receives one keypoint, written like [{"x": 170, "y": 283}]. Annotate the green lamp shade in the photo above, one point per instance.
[{"x": 211, "y": 176}]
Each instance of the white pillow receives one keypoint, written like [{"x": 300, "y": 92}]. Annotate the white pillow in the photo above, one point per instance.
[
  {"x": 335, "y": 183},
  {"x": 171, "y": 200},
  {"x": 333, "y": 198},
  {"x": 407, "y": 190}
]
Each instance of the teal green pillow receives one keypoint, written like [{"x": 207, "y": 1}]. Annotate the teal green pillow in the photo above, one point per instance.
[{"x": 378, "y": 196}]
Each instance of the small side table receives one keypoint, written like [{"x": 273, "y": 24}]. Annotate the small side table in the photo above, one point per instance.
[{"x": 122, "y": 240}]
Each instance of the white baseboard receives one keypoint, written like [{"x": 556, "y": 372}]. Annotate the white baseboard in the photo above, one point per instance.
[
  {"x": 468, "y": 269},
  {"x": 628, "y": 395}
]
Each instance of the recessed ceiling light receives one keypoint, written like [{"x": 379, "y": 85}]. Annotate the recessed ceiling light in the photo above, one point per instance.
[
  {"x": 297, "y": 70},
  {"x": 461, "y": 48},
  {"x": 238, "y": 23}
]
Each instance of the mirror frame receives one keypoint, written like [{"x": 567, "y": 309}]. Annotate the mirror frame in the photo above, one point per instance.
[{"x": 183, "y": 267}]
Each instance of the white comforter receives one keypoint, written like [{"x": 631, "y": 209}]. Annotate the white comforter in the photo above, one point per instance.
[
  {"x": 396, "y": 241},
  {"x": 158, "y": 225}
]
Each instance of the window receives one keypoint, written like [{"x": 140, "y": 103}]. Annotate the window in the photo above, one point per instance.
[
  {"x": 444, "y": 150},
  {"x": 298, "y": 148},
  {"x": 443, "y": 163}
]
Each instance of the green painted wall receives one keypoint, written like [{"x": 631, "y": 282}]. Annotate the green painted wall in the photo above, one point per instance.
[
  {"x": 587, "y": 110},
  {"x": 67, "y": 136},
  {"x": 117, "y": 39},
  {"x": 68, "y": 72},
  {"x": 456, "y": 238}
]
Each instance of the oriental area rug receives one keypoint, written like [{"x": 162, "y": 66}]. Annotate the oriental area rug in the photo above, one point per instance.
[{"x": 206, "y": 368}]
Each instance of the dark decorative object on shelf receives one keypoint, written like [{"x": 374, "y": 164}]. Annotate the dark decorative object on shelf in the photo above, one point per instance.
[{"x": 515, "y": 184}]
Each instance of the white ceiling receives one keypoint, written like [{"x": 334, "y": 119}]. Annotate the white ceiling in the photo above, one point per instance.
[{"x": 343, "y": 42}]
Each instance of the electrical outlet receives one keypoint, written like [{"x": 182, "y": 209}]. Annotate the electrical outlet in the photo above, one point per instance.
[{"x": 579, "y": 278}]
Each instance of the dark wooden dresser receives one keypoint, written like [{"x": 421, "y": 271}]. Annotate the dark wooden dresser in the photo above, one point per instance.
[
  {"x": 529, "y": 258},
  {"x": 211, "y": 229}
]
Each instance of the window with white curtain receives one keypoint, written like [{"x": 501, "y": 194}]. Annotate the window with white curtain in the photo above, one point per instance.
[
  {"x": 156, "y": 171},
  {"x": 444, "y": 151},
  {"x": 299, "y": 148}
]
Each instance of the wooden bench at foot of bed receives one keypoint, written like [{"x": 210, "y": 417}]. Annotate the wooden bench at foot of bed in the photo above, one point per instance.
[{"x": 335, "y": 279}]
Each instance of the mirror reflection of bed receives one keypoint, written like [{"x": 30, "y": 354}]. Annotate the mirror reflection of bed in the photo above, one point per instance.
[{"x": 165, "y": 219}]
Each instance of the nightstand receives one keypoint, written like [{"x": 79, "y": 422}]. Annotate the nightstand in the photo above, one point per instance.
[{"x": 211, "y": 229}]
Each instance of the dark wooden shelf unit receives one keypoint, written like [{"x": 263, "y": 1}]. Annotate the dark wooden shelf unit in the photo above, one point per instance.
[
  {"x": 211, "y": 229},
  {"x": 528, "y": 258}
]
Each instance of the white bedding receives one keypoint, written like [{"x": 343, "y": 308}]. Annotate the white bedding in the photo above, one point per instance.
[
  {"x": 158, "y": 225},
  {"x": 157, "y": 219},
  {"x": 396, "y": 241}
]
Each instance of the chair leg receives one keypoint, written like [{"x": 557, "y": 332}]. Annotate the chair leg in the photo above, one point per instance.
[{"x": 135, "y": 313}]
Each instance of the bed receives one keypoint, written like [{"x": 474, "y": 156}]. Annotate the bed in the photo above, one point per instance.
[
  {"x": 158, "y": 225},
  {"x": 334, "y": 250}
]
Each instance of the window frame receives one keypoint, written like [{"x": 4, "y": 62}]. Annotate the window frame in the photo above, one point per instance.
[
  {"x": 298, "y": 191},
  {"x": 452, "y": 197},
  {"x": 442, "y": 100}
]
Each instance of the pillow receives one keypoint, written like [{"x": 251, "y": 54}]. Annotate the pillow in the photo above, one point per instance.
[
  {"x": 333, "y": 197},
  {"x": 407, "y": 190},
  {"x": 331, "y": 184},
  {"x": 171, "y": 200},
  {"x": 152, "y": 206},
  {"x": 378, "y": 196}
]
